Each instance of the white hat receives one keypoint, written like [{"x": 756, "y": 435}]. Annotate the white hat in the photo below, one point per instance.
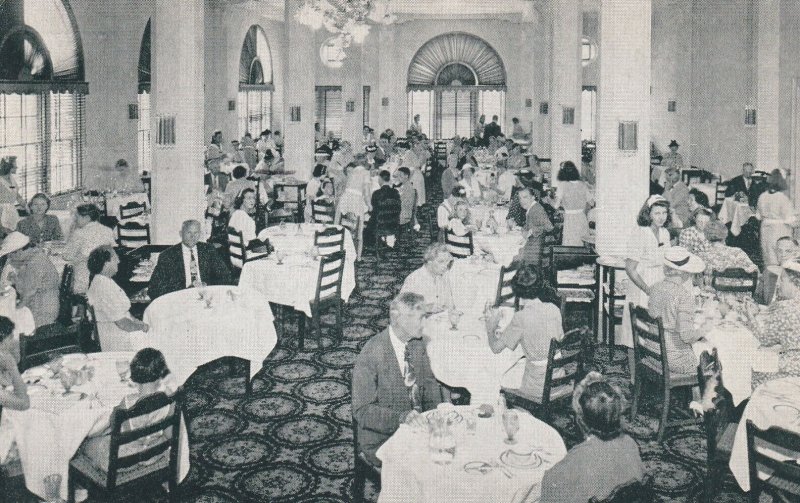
[
  {"x": 13, "y": 242},
  {"x": 655, "y": 198},
  {"x": 680, "y": 259}
]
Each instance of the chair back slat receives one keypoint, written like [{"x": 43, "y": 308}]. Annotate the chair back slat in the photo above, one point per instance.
[
  {"x": 564, "y": 364},
  {"x": 133, "y": 234},
  {"x": 329, "y": 240},
  {"x": 505, "y": 293},
  {"x": 648, "y": 337},
  {"x": 65, "y": 295},
  {"x": 329, "y": 280},
  {"x": 459, "y": 246},
  {"x": 322, "y": 212},
  {"x": 734, "y": 280},
  {"x": 719, "y": 195},
  {"x": 46, "y": 341},
  {"x": 236, "y": 249},
  {"x": 131, "y": 210},
  {"x": 763, "y": 448}
]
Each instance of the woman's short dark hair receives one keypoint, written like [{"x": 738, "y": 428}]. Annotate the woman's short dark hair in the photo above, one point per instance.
[
  {"x": 385, "y": 176},
  {"x": 239, "y": 172},
  {"x": 319, "y": 170},
  {"x": 526, "y": 282},
  {"x": 88, "y": 210},
  {"x": 148, "y": 365},
  {"x": 568, "y": 172},
  {"x": 6, "y": 328},
  {"x": 98, "y": 259},
  {"x": 775, "y": 181},
  {"x": 7, "y": 164},
  {"x": 699, "y": 211},
  {"x": 598, "y": 407},
  {"x": 239, "y": 201},
  {"x": 514, "y": 120},
  {"x": 43, "y": 196},
  {"x": 325, "y": 181},
  {"x": 700, "y": 198},
  {"x": 644, "y": 220}
]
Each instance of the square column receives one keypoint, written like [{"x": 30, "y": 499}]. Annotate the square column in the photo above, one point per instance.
[
  {"x": 179, "y": 108},
  {"x": 768, "y": 41},
  {"x": 623, "y": 102},
  {"x": 566, "y": 83}
]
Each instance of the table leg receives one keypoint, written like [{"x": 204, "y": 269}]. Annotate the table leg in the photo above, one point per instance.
[
  {"x": 612, "y": 322},
  {"x": 301, "y": 328}
]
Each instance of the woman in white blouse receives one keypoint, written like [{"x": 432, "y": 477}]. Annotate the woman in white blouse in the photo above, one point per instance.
[
  {"x": 460, "y": 224},
  {"x": 242, "y": 217},
  {"x": 470, "y": 182},
  {"x": 88, "y": 235},
  {"x": 115, "y": 325},
  {"x": 776, "y": 214}
]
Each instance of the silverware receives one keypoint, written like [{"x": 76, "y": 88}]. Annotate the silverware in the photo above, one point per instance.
[{"x": 497, "y": 464}]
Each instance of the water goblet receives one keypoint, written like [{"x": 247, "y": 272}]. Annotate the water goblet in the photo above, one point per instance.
[
  {"x": 208, "y": 298},
  {"x": 56, "y": 363},
  {"x": 67, "y": 378},
  {"x": 454, "y": 316},
  {"x": 122, "y": 367},
  {"x": 280, "y": 256},
  {"x": 511, "y": 425}
]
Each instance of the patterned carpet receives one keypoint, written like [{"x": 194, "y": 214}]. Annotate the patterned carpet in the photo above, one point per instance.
[{"x": 291, "y": 439}]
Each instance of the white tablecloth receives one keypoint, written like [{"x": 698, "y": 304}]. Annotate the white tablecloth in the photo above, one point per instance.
[
  {"x": 294, "y": 283},
  {"x": 774, "y": 403},
  {"x": 50, "y": 432},
  {"x": 65, "y": 219},
  {"x": 735, "y": 213},
  {"x": 481, "y": 212},
  {"x": 504, "y": 246},
  {"x": 114, "y": 202},
  {"x": 190, "y": 335},
  {"x": 408, "y": 474},
  {"x": 474, "y": 284}
]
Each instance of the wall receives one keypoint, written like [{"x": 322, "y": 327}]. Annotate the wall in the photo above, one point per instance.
[{"x": 789, "y": 71}]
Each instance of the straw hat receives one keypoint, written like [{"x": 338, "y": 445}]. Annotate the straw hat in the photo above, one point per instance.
[
  {"x": 13, "y": 242},
  {"x": 681, "y": 259}
]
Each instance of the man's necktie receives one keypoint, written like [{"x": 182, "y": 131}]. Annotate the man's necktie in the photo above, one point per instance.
[
  {"x": 193, "y": 268},
  {"x": 410, "y": 379}
]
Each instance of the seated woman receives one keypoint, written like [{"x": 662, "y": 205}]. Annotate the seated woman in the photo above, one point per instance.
[
  {"x": 88, "y": 235},
  {"x": 115, "y": 325},
  {"x": 718, "y": 256},
  {"x": 40, "y": 226},
  {"x": 534, "y": 325},
  {"x": 236, "y": 186},
  {"x": 777, "y": 328},
  {"x": 13, "y": 390},
  {"x": 313, "y": 188},
  {"x": 674, "y": 304},
  {"x": 432, "y": 280},
  {"x": 461, "y": 223},
  {"x": 242, "y": 218},
  {"x": 150, "y": 374},
  {"x": 470, "y": 183},
  {"x": 34, "y": 276},
  {"x": 693, "y": 237},
  {"x": 607, "y": 459}
]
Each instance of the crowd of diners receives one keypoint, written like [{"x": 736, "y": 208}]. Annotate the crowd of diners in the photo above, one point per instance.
[{"x": 677, "y": 239}]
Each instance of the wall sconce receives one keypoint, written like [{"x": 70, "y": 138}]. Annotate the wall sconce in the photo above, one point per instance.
[
  {"x": 628, "y": 132},
  {"x": 166, "y": 131},
  {"x": 133, "y": 111},
  {"x": 568, "y": 116},
  {"x": 528, "y": 103},
  {"x": 294, "y": 114},
  {"x": 231, "y": 105},
  {"x": 672, "y": 106},
  {"x": 385, "y": 102},
  {"x": 544, "y": 108},
  {"x": 350, "y": 106},
  {"x": 749, "y": 116}
]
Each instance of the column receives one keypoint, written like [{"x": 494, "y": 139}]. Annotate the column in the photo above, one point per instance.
[
  {"x": 391, "y": 85},
  {"x": 624, "y": 98},
  {"x": 768, "y": 81},
  {"x": 178, "y": 99},
  {"x": 566, "y": 82},
  {"x": 352, "y": 90},
  {"x": 299, "y": 77}
]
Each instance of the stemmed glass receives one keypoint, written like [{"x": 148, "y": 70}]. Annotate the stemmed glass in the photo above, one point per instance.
[
  {"x": 280, "y": 256},
  {"x": 454, "y": 315},
  {"x": 511, "y": 425},
  {"x": 122, "y": 367},
  {"x": 67, "y": 378}
]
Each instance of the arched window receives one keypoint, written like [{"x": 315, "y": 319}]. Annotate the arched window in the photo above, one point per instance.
[
  {"x": 452, "y": 80},
  {"x": 42, "y": 93},
  {"x": 255, "y": 83},
  {"x": 144, "y": 148}
]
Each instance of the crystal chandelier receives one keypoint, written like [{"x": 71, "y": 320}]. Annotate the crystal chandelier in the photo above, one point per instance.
[{"x": 346, "y": 18}]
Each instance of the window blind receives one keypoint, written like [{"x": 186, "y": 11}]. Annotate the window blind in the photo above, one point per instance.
[{"x": 328, "y": 110}]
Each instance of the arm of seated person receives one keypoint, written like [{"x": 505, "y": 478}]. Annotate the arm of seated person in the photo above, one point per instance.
[
  {"x": 131, "y": 325},
  {"x": 502, "y": 339},
  {"x": 17, "y": 399}
]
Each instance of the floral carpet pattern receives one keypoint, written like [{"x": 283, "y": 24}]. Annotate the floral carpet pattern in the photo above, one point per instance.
[{"x": 291, "y": 441}]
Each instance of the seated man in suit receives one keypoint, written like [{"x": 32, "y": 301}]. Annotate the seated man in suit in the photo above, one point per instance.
[
  {"x": 188, "y": 263},
  {"x": 392, "y": 378},
  {"x": 745, "y": 184}
]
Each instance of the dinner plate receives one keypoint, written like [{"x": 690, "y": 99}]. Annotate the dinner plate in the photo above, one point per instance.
[
  {"x": 472, "y": 338},
  {"x": 452, "y": 416},
  {"x": 509, "y": 458}
]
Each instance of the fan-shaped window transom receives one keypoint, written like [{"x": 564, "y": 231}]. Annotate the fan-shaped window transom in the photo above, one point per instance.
[{"x": 458, "y": 57}]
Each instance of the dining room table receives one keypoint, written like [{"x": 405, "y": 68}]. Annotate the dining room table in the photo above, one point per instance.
[
  {"x": 483, "y": 467},
  {"x": 49, "y": 433},
  {"x": 504, "y": 244},
  {"x": 116, "y": 199},
  {"x": 195, "y": 326},
  {"x": 482, "y": 211},
  {"x": 736, "y": 213},
  {"x": 293, "y": 282},
  {"x": 773, "y": 403}
]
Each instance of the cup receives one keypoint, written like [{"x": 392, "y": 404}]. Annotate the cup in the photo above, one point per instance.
[
  {"x": 454, "y": 316},
  {"x": 510, "y": 425}
]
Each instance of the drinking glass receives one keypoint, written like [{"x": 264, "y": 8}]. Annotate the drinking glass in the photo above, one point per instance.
[
  {"x": 441, "y": 443},
  {"x": 511, "y": 425},
  {"x": 122, "y": 369},
  {"x": 280, "y": 256},
  {"x": 455, "y": 316},
  {"x": 208, "y": 298},
  {"x": 56, "y": 362},
  {"x": 67, "y": 379}
]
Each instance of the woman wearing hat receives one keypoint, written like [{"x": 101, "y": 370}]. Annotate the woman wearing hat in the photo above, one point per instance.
[
  {"x": 717, "y": 255},
  {"x": 34, "y": 277},
  {"x": 670, "y": 301},
  {"x": 644, "y": 263}
]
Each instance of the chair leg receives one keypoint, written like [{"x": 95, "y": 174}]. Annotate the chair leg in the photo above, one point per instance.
[
  {"x": 172, "y": 486},
  {"x": 301, "y": 329},
  {"x": 662, "y": 426},
  {"x": 637, "y": 389},
  {"x": 70, "y": 488},
  {"x": 339, "y": 329},
  {"x": 248, "y": 382},
  {"x": 317, "y": 326},
  {"x": 359, "y": 480}
]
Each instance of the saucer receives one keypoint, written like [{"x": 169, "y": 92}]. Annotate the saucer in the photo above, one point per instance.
[{"x": 514, "y": 460}]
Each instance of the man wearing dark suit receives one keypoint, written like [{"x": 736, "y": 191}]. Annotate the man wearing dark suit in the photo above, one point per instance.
[
  {"x": 491, "y": 129},
  {"x": 392, "y": 377},
  {"x": 744, "y": 183},
  {"x": 187, "y": 263}
]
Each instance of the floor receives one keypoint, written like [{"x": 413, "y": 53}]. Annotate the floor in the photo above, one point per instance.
[{"x": 290, "y": 440}]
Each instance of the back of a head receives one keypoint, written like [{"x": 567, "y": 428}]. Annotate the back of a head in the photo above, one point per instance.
[
  {"x": 598, "y": 408},
  {"x": 405, "y": 171},
  {"x": 776, "y": 182},
  {"x": 88, "y": 210},
  {"x": 6, "y": 328},
  {"x": 385, "y": 176},
  {"x": 148, "y": 365},
  {"x": 239, "y": 172}
]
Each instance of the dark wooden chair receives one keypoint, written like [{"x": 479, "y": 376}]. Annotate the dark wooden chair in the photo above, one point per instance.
[
  {"x": 505, "y": 293},
  {"x": 133, "y": 234},
  {"x": 46, "y": 341},
  {"x": 66, "y": 297},
  {"x": 387, "y": 223},
  {"x": 237, "y": 252},
  {"x": 652, "y": 362},
  {"x": 323, "y": 212},
  {"x": 363, "y": 469},
  {"x": 328, "y": 294},
  {"x": 127, "y": 473},
  {"x": 638, "y": 491},
  {"x": 330, "y": 240},
  {"x": 354, "y": 225},
  {"x": 718, "y": 422},
  {"x": 719, "y": 196},
  {"x": 784, "y": 482},
  {"x": 575, "y": 291},
  {"x": 693, "y": 174},
  {"x": 131, "y": 210},
  {"x": 565, "y": 368},
  {"x": 459, "y": 246},
  {"x": 735, "y": 280}
]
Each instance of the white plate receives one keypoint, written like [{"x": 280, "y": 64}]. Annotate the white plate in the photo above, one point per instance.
[{"x": 532, "y": 462}]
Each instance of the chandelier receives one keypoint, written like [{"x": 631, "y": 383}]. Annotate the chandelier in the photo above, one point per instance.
[{"x": 348, "y": 19}]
